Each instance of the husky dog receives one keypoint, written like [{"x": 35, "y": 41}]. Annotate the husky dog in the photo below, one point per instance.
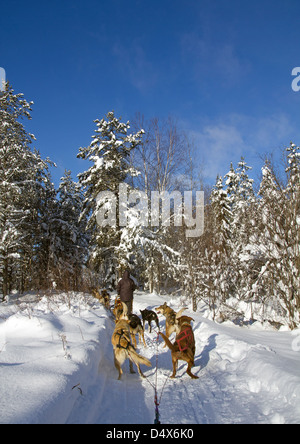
[
  {"x": 184, "y": 346},
  {"x": 135, "y": 325},
  {"x": 102, "y": 296},
  {"x": 123, "y": 348},
  {"x": 149, "y": 315},
  {"x": 170, "y": 315}
]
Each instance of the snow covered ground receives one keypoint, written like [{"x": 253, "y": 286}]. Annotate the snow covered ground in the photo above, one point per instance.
[{"x": 56, "y": 366}]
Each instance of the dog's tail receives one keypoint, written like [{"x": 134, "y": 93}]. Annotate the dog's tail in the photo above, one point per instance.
[
  {"x": 124, "y": 314},
  {"x": 138, "y": 359},
  {"x": 168, "y": 343},
  {"x": 180, "y": 312}
]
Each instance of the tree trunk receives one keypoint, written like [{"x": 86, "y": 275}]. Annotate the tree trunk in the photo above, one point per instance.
[{"x": 5, "y": 278}]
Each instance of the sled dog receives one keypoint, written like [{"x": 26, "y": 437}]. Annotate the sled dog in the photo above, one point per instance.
[
  {"x": 136, "y": 327},
  {"x": 170, "y": 315},
  {"x": 149, "y": 315},
  {"x": 184, "y": 346},
  {"x": 123, "y": 348},
  {"x": 118, "y": 309},
  {"x": 102, "y": 296}
]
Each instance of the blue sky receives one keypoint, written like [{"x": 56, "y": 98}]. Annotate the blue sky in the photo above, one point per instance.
[{"x": 221, "y": 68}]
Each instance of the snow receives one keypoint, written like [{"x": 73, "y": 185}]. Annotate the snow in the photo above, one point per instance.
[{"x": 56, "y": 366}]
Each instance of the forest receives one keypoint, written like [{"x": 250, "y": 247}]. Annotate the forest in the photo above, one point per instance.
[{"x": 245, "y": 265}]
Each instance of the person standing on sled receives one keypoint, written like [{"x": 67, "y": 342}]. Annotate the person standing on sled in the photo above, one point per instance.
[{"x": 125, "y": 289}]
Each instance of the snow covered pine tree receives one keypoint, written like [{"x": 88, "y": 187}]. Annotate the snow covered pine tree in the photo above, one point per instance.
[
  {"x": 110, "y": 153},
  {"x": 21, "y": 176}
]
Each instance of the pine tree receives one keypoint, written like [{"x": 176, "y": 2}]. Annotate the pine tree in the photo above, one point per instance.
[
  {"x": 110, "y": 153},
  {"x": 291, "y": 278},
  {"x": 241, "y": 197},
  {"x": 19, "y": 170},
  {"x": 220, "y": 253},
  {"x": 242, "y": 204},
  {"x": 67, "y": 237},
  {"x": 278, "y": 281},
  {"x": 222, "y": 216},
  {"x": 44, "y": 211}
]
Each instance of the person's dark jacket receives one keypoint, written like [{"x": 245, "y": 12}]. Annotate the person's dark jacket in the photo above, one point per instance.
[{"x": 126, "y": 287}]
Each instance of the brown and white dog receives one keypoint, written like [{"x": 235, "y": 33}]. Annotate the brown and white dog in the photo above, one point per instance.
[
  {"x": 118, "y": 309},
  {"x": 170, "y": 315},
  {"x": 184, "y": 346},
  {"x": 103, "y": 296},
  {"x": 136, "y": 328},
  {"x": 123, "y": 348}
]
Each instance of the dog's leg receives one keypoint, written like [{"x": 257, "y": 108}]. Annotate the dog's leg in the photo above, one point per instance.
[
  {"x": 150, "y": 326},
  {"x": 141, "y": 335},
  {"x": 140, "y": 371},
  {"x": 138, "y": 367},
  {"x": 131, "y": 367},
  {"x": 157, "y": 323},
  {"x": 190, "y": 365},
  {"x": 137, "y": 359},
  {"x": 133, "y": 339},
  {"x": 175, "y": 365},
  {"x": 168, "y": 333},
  {"x": 190, "y": 361},
  {"x": 118, "y": 367}
]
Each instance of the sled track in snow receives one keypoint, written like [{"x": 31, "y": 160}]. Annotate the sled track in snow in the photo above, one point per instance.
[
  {"x": 228, "y": 389},
  {"x": 59, "y": 350}
]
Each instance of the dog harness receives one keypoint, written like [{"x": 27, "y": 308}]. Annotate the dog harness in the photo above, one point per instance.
[
  {"x": 187, "y": 335},
  {"x": 121, "y": 334}
]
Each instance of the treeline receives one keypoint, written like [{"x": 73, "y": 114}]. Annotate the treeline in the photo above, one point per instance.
[
  {"x": 248, "y": 261},
  {"x": 247, "y": 258},
  {"x": 41, "y": 241}
]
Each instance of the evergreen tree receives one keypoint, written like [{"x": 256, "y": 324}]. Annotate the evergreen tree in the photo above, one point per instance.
[
  {"x": 241, "y": 196},
  {"x": 278, "y": 239},
  {"x": 68, "y": 240},
  {"x": 242, "y": 204},
  {"x": 220, "y": 253},
  {"x": 19, "y": 170},
  {"x": 110, "y": 153},
  {"x": 44, "y": 210},
  {"x": 222, "y": 216},
  {"x": 292, "y": 258}
]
